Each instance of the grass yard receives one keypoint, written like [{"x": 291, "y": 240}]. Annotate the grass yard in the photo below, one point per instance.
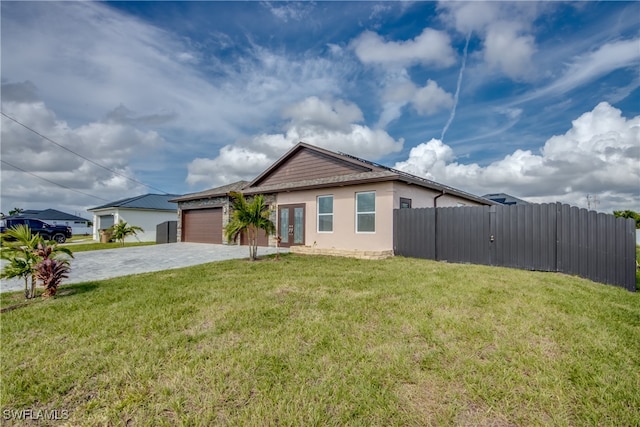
[{"x": 328, "y": 341}]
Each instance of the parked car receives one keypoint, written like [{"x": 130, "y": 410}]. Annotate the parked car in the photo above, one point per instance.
[{"x": 59, "y": 233}]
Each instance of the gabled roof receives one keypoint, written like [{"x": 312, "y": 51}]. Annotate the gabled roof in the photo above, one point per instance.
[
  {"x": 48, "y": 215},
  {"x": 306, "y": 166},
  {"x": 159, "y": 202},
  {"x": 351, "y": 163},
  {"x": 362, "y": 171},
  {"x": 213, "y": 192}
]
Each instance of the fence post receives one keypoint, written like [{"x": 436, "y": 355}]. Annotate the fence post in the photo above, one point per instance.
[{"x": 492, "y": 235}]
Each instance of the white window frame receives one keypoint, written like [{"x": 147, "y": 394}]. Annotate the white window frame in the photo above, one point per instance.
[
  {"x": 318, "y": 214},
  {"x": 367, "y": 212}
]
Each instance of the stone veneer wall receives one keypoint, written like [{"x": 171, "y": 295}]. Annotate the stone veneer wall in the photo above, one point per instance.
[{"x": 351, "y": 253}]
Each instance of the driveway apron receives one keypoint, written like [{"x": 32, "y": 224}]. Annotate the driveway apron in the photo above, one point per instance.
[{"x": 105, "y": 264}]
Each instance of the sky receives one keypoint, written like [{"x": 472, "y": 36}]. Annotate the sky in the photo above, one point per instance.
[{"x": 102, "y": 101}]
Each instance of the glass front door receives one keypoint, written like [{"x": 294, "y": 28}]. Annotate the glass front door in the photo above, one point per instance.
[{"x": 291, "y": 225}]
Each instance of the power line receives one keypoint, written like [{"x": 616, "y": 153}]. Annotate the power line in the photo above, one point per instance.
[
  {"x": 51, "y": 182},
  {"x": 79, "y": 155}
]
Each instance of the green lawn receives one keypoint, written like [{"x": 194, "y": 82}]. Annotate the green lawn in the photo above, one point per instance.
[{"x": 328, "y": 341}]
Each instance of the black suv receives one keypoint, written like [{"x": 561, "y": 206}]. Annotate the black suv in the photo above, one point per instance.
[{"x": 59, "y": 233}]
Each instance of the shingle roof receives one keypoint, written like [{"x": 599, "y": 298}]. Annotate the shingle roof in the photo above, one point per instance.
[
  {"x": 213, "y": 192},
  {"x": 378, "y": 173},
  {"x": 146, "y": 201}
]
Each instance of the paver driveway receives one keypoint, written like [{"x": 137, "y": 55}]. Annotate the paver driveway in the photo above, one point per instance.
[{"x": 104, "y": 264}]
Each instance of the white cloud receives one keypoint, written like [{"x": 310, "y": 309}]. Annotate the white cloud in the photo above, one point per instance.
[
  {"x": 112, "y": 144},
  {"x": 586, "y": 68},
  {"x": 426, "y": 100},
  {"x": 509, "y": 50},
  {"x": 504, "y": 27},
  {"x": 469, "y": 16},
  {"x": 315, "y": 113},
  {"x": 324, "y": 123},
  {"x": 431, "y": 47},
  {"x": 599, "y": 155},
  {"x": 431, "y": 98},
  {"x": 288, "y": 11},
  {"x": 87, "y": 58}
]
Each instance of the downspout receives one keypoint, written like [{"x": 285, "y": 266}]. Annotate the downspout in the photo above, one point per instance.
[{"x": 435, "y": 231}]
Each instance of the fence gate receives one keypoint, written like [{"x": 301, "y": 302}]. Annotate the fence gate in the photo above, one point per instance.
[
  {"x": 463, "y": 235},
  {"x": 545, "y": 237},
  {"x": 167, "y": 232}
]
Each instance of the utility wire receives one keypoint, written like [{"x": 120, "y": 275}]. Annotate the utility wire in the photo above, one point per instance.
[
  {"x": 51, "y": 182},
  {"x": 80, "y": 155}
]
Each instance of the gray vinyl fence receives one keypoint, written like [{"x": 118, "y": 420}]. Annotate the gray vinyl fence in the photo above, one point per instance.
[{"x": 546, "y": 237}]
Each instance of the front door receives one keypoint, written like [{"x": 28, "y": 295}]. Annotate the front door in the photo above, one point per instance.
[{"x": 291, "y": 225}]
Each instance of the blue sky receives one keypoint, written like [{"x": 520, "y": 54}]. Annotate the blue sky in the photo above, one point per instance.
[{"x": 537, "y": 99}]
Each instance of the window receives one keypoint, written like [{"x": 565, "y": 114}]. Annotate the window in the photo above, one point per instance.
[
  {"x": 366, "y": 212},
  {"x": 325, "y": 214},
  {"x": 405, "y": 203}
]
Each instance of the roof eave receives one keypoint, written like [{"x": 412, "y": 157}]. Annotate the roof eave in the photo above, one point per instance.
[
  {"x": 188, "y": 198},
  {"x": 267, "y": 190}
]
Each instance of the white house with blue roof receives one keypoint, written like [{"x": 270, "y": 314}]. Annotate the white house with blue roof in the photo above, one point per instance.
[
  {"x": 78, "y": 224},
  {"x": 146, "y": 211}
]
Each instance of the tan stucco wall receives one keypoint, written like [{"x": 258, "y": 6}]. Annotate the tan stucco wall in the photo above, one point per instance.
[
  {"x": 424, "y": 198},
  {"x": 344, "y": 235}
]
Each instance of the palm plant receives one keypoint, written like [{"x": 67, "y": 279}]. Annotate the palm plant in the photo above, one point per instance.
[
  {"x": 249, "y": 217},
  {"x": 25, "y": 256},
  {"x": 21, "y": 256},
  {"x": 121, "y": 230},
  {"x": 21, "y": 267}
]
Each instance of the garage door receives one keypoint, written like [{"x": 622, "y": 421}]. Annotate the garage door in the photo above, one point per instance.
[{"x": 202, "y": 225}]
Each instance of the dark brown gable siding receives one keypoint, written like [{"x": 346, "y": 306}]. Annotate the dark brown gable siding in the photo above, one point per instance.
[{"x": 306, "y": 164}]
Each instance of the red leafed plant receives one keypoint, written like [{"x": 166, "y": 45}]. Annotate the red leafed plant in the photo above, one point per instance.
[{"x": 50, "y": 271}]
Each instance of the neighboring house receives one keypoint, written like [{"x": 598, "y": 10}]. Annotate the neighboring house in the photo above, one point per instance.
[
  {"x": 146, "y": 211},
  {"x": 78, "y": 224},
  {"x": 505, "y": 199},
  {"x": 322, "y": 202}
]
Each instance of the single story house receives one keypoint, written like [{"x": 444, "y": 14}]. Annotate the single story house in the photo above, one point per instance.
[
  {"x": 321, "y": 202},
  {"x": 78, "y": 224},
  {"x": 146, "y": 211}
]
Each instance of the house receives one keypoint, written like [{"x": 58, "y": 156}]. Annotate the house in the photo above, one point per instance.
[
  {"x": 505, "y": 199},
  {"x": 146, "y": 211},
  {"x": 78, "y": 224},
  {"x": 321, "y": 202}
]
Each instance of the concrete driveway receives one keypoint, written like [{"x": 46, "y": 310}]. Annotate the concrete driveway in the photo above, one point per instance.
[{"x": 105, "y": 264}]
